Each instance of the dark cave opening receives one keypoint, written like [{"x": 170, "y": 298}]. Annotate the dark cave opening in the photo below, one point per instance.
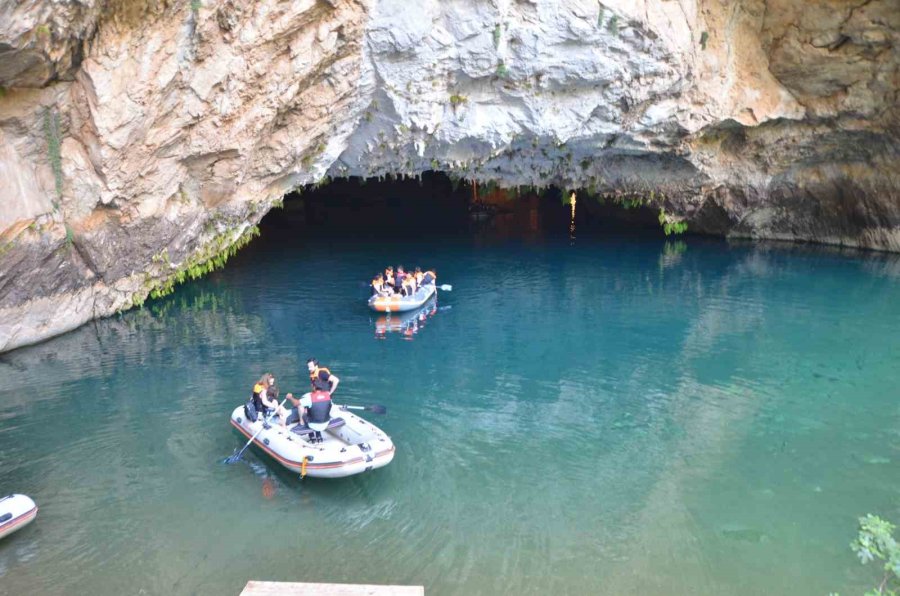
[{"x": 436, "y": 204}]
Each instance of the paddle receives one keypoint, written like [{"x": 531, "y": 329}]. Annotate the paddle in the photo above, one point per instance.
[
  {"x": 446, "y": 288},
  {"x": 374, "y": 408},
  {"x": 234, "y": 458}
]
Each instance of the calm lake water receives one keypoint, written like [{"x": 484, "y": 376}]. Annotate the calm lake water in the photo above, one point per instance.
[{"x": 607, "y": 415}]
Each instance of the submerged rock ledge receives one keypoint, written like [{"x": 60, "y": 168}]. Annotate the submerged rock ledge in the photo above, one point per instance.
[{"x": 136, "y": 135}]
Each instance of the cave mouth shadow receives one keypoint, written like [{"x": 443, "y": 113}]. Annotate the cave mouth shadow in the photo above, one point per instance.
[{"x": 435, "y": 204}]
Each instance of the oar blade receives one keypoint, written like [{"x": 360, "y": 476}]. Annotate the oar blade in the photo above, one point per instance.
[
  {"x": 446, "y": 288},
  {"x": 234, "y": 458}
]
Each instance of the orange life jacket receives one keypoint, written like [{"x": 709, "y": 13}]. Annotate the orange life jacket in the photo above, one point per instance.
[
  {"x": 317, "y": 383},
  {"x": 256, "y": 396}
]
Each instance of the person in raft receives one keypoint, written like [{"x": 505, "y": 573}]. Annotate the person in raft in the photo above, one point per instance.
[
  {"x": 379, "y": 288},
  {"x": 317, "y": 403},
  {"x": 321, "y": 378},
  {"x": 314, "y": 409},
  {"x": 399, "y": 278},
  {"x": 265, "y": 398},
  {"x": 402, "y": 282},
  {"x": 409, "y": 285}
]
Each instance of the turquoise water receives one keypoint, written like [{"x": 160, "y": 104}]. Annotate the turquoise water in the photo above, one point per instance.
[{"x": 606, "y": 415}]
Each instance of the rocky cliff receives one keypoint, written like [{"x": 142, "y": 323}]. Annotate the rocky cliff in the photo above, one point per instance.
[{"x": 142, "y": 140}]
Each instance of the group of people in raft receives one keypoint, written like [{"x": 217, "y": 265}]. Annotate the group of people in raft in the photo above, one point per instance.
[
  {"x": 401, "y": 282},
  {"x": 312, "y": 410}
]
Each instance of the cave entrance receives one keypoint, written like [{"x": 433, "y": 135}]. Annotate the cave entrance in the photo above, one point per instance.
[{"x": 436, "y": 205}]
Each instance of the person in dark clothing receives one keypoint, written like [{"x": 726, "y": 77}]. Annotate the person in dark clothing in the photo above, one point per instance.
[
  {"x": 314, "y": 409},
  {"x": 399, "y": 278},
  {"x": 320, "y": 377}
]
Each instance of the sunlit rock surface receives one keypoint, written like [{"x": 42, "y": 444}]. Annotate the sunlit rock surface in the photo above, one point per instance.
[{"x": 134, "y": 134}]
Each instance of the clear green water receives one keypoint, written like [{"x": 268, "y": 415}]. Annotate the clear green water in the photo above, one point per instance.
[{"x": 613, "y": 416}]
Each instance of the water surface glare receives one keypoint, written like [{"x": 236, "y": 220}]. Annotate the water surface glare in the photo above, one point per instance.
[{"x": 613, "y": 416}]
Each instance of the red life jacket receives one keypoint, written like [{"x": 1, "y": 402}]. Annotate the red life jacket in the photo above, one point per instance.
[{"x": 317, "y": 396}]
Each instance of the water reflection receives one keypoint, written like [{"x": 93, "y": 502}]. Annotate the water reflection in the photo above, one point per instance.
[
  {"x": 672, "y": 253},
  {"x": 407, "y": 324},
  {"x": 572, "y": 200}
]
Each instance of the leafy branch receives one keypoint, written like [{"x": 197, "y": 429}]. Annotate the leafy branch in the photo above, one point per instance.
[
  {"x": 670, "y": 224},
  {"x": 876, "y": 541}
]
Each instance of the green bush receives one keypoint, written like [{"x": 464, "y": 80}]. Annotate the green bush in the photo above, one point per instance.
[{"x": 876, "y": 541}]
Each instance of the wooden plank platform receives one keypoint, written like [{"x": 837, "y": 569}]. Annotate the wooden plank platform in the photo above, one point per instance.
[{"x": 255, "y": 588}]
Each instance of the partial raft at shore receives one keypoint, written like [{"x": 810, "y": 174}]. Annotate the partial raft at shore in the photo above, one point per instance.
[{"x": 16, "y": 512}]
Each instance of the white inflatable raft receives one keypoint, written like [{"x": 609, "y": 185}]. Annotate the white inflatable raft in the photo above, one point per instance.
[
  {"x": 350, "y": 446},
  {"x": 398, "y": 303},
  {"x": 16, "y": 512}
]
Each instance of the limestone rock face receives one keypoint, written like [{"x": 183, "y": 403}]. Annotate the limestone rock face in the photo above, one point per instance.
[
  {"x": 179, "y": 128},
  {"x": 41, "y": 41},
  {"x": 140, "y": 137}
]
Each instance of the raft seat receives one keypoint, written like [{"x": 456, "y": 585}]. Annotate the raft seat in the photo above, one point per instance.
[{"x": 305, "y": 430}]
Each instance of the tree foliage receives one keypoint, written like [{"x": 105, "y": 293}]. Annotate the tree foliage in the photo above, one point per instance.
[{"x": 876, "y": 543}]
